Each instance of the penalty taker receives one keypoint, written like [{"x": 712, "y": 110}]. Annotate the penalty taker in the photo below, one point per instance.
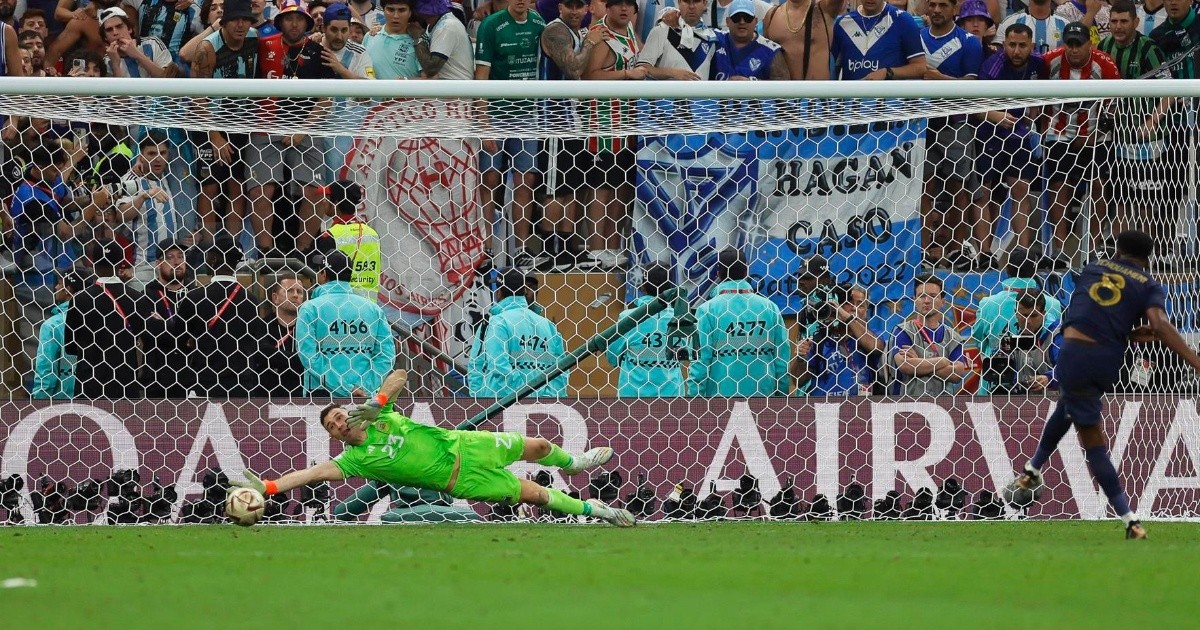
[{"x": 383, "y": 445}]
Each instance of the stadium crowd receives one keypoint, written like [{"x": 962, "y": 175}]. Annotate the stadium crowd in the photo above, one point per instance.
[{"x": 165, "y": 196}]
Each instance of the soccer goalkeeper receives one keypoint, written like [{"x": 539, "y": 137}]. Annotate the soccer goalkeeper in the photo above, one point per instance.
[{"x": 385, "y": 446}]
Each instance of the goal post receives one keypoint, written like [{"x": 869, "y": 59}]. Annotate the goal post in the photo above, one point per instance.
[{"x": 841, "y": 200}]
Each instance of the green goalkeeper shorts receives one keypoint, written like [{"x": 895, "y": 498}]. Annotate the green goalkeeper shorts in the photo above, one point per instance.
[{"x": 483, "y": 473}]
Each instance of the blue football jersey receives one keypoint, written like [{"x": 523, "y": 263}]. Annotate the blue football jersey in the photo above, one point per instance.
[
  {"x": 1109, "y": 299},
  {"x": 955, "y": 54},
  {"x": 752, "y": 60},
  {"x": 862, "y": 45}
]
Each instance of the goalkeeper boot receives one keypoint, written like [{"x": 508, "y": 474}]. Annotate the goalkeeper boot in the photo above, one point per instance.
[
  {"x": 1135, "y": 531},
  {"x": 611, "y": 515},
  {"x": 1025, "y": 489},
  {"x": 1030, "y": 480},
  {"x": 591, "y": 459}
]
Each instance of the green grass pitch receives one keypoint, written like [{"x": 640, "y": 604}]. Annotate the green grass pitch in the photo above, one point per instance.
[{"x": 731, "y": 575}]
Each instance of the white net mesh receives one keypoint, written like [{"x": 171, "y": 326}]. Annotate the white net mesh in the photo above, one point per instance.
[{"x": 210, "y": 346}]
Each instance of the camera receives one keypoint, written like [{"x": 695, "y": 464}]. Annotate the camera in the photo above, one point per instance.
[
  {"x": 681, "y": 503},
  {"x": 86, "y": 497},
  {"x": 10, "y": 498},
  {"x": 821, "y": 305},
  {"x": 641, "y": 501},
  {"x": 316, "y": 495},
  {"x": 124, "y": 499},
  {"x": 1002, "y": 370},
  {"x": 606, "y": 486}
]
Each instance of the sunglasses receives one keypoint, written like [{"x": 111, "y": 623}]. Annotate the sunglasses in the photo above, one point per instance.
[{"x": 741, "y": 18}]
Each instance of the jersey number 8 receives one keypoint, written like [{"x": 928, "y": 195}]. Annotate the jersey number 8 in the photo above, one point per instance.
[{"x": 1107, "y": 291}]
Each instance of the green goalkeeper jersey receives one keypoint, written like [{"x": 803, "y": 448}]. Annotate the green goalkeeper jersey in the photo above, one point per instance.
[{"x": 401, "y": 452}]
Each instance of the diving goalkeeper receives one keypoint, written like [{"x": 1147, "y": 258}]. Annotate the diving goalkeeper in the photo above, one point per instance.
[{"x": 385, "y": 446}]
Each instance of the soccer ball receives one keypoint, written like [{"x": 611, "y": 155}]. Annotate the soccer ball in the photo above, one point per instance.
[
  {"x": 244, "y": 506},
  {"x": 1020, "y": 497}
]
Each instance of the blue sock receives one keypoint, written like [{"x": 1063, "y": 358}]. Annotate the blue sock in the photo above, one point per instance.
[
  {"x": 1052, "y": 434},
  {"x": 1106, "y": 474}
]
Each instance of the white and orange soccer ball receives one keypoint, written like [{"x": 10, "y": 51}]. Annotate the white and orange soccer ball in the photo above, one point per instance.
[{"x": 244, "y": 506}]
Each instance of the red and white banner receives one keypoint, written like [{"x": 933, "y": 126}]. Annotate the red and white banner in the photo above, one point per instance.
[{"x": 825, "y": 444}]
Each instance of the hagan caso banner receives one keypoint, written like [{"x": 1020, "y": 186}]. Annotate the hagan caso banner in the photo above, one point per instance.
[
  {"x": 824, "y": 444},
  {"x": 849, "y": 193}
]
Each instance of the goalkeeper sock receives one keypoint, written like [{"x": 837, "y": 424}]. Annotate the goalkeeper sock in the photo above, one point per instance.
[
  {"x": 1106, "y": 474},
  {"x": 557, "y": 458},
  {"x": 564, "y": 503},
  {"x": 1056, "y": 428}
]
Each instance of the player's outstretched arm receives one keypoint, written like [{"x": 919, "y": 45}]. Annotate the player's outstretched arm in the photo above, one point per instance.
[
  {"x": 367, "y": 412},
  {"x": 1166, "y": 331},
  {"x": 327, "y": 471}
]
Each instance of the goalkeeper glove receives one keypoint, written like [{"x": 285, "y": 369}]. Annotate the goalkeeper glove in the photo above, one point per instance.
[
  {"x": 366, "y": 413},
  {"x": 252, "y": 482}
]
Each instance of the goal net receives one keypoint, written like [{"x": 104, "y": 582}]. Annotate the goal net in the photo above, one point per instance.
[{"x": 176, "y": 310}]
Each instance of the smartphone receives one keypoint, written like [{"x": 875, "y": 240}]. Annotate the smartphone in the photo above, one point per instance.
[{"x": 80, "y": 65}]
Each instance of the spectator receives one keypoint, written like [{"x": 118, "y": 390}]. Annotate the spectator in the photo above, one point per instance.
[
  {"x": 82, "y": 30},
  {"x": 35, "y": 20},
  {"x": 893, "y": 51},
  {"x": 507, "y": 48},
  {"x": 278, "y": 362},
  {"x": 46, "y": 219},
  {"x": 344, "y": 340},
  {"x": 316, "y": 9},
  {"x": 742, "y": 54},
  {"x": 1134, "y": 53},
  {"x": 514, "y": 344},
  {"x": 36, "y": 45},
  {"x": 840, "y": 356},
  {"x": 974, "y": 18},
  {"x": 951, "y": 54},
  {"x": 210, "y": 17},
  {"x": 444, "y": 49},
  {"x": 128, "y": 57},
  {"x": 1146, "y": 186},
  {"x": 352, "y": 236},
  {"x": 1150, "y": 14},
  {"x": 280, "y": 160},
  {"x": 263, "y": 17},
  {"x": 368, "y": 13},
  {"x": 165, "y": 372},
  {"x": 926, "y": 352},
  {"x": 715, "y": 14},
  {"x": 648, "y": 356},
  {"x": 1076, "y": 151},
  {"x": 610, "y": 159},
  {"x": 104, "y": 322},
  {"x": 358, "y": 33},
  {"x": 741, "y": 342},
  {"x": 10, "y": 63},
  {"x": 1045, "y": 24},
  {"x": 1091, "y": 13},
  {"x": 1023, "y": 360},
  {"x": 1006, "y": 136},
  {"x": 215, "y": 324},
  {"x": 26, "y": 62},
  {"x": 342, "y": 58},
  {"x": 566, "y": 50},
  {"x": 173, "y": 22},
  {"x": 392, "y": 50},
  {"x": 682, "y": 52},
  {"x": 805, "y": 32},
  {"x": 223, "y": 161},
  {"x": 54, "y": 368},
  {"x": 347, "y": 59},
  {"x": 148, "y": 208},
  {"x": 996, "y": 314}
]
